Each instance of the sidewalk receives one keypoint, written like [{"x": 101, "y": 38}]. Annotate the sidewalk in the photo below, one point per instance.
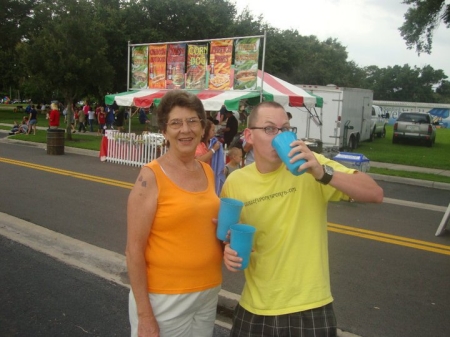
[{"x": 409, "y": 181}]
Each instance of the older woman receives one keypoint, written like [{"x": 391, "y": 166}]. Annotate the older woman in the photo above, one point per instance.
[
  {"x": 204, "y": 152},
  {"x": 173, "y": 256}
]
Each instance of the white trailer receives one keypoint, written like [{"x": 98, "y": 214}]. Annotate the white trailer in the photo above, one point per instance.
[{"x": 342, "y": 122}]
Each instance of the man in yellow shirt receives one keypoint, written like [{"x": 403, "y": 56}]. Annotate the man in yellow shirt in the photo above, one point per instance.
[{"x": 287, "y": 289}]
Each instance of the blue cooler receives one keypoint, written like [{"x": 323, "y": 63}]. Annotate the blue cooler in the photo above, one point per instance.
[{"x": 352, "y": 160}]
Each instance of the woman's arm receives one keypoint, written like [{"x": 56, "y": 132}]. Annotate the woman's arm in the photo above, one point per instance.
[{"x": 141, "y": 209}]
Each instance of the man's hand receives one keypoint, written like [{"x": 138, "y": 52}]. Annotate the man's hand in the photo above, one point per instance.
[
  {"x": 230, "y": 258},
  {"x": 301, "y": 151}
]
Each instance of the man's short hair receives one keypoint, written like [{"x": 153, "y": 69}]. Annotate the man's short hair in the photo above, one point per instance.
[{"x": 254, "y": 114}]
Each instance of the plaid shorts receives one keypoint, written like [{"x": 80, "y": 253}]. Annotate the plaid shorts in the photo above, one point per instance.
[{"x": 319, "y": 322}]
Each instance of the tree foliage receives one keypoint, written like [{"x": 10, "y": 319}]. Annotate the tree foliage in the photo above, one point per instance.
[
  {"x": 69, "y": 53},
  {"x": 73, "y": 49},
  {"x": 421, "y": 19}
]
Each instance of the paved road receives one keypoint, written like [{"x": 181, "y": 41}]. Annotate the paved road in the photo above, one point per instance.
[
  {"x": 43, "y": 297},
  {"x": 390, "y": 280}
]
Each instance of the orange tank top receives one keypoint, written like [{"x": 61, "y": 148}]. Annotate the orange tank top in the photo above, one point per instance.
[{"x": 183, "y": 254}]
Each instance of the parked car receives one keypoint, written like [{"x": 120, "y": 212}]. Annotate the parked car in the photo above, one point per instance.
[
  {"x": 415, "y": 126},
  {"x": 379, "y": 122}
]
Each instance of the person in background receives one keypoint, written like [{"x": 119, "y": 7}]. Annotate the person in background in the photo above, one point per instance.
[
  {"x": 120, "y": 118},
  {"x": 86, "y": 109},
  {"x": 204, "y": 151},
  {"x": 20, "y": 128},
  {"x": 32, "y": 120},
  {"x": 235, "y": 155},
  {"x": 248, "y": 150},
  {"x": 53, "y": 116},
  {"x": 81, "y": 121},
  {"x": 231, "y": 128},
  {"x": 43, "y": 109},
  {"x": 287, "y": 284},
  {"x": 91, "y": 119},
  {"x": 101, "y": 120},
  {"x": 110, "y": 117},
  {"x": 173, "y": 255}
]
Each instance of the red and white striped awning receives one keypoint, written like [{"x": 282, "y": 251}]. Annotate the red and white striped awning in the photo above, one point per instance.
[{"x": 274, "y": 89}]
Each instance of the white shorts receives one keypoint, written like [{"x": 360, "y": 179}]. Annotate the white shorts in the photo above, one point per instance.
[{"x": 182, "y": 315}]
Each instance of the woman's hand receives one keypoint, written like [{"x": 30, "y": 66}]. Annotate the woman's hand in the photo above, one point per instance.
[
  {"x": 148, "y": 327},
  {"x": 216, "y": 146}
]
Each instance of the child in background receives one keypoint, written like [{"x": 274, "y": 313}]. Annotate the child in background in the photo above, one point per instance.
[{"x": 235, "y": 155}]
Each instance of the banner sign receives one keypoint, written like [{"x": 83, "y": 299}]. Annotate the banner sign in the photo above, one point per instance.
[
  {"x": 196, "y": 66},
  {"x": 157, "y": 66},
  {"x": 139, "y": 67},
  {"x": 220, "y": 64},
  {"x": 176, "y": 59},
  {"x": 246, "y": 63}
]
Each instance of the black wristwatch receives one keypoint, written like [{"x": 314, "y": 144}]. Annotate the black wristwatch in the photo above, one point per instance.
[{"x": 327, "y": 175}]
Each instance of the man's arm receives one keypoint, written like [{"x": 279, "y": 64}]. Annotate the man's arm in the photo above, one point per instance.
[{"x": 358, "y": 186}]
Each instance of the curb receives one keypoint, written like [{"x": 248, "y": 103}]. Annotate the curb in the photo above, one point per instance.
[{"x": 410, "y": 181}]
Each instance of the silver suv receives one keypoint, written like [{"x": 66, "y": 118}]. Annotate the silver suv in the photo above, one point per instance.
[{"x": 415, "y": 126}]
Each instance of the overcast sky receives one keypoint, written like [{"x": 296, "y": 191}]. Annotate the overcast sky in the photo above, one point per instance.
[{"x": 367, "y": 28}]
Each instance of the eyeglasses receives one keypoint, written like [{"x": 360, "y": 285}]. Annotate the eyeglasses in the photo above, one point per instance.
[
  {"x": 272, "y": 130},
  {"x": 192, "y": 123}
]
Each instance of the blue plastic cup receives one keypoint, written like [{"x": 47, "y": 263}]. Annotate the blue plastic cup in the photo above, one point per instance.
[
  {"x": 242, "y": 242},
  {"x": 281, "y": 144},
  {"x": 229, "y": 213}
]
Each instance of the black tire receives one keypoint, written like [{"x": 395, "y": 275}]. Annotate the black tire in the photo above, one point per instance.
[
  {"x": 394, "y": 140},
  {"x": 372, "y": 135},
  {"x": 429, "y": 143},
  {"x": 352, "y": 143}
]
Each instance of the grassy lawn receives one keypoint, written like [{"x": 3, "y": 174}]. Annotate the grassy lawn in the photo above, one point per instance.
[
  {"x": 414, "y": 154},
  {"x": 79, "y": 140},
  {"x": 380, "y": 150}
]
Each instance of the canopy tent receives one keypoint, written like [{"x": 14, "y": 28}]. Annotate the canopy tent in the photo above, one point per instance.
[
  {"x": 441, "y": 113},
  {"x": 274, "y": 89}
]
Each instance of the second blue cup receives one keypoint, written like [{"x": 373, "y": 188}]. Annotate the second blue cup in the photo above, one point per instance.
[{"x": 242, "y": 242}]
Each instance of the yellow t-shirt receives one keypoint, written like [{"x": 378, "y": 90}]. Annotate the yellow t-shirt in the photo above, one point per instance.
[
  {"x": 183, "y": 254},
  {"x": 288, "y": 270}
]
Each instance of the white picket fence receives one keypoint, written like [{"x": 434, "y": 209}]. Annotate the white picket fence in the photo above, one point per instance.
[{"x": 134, "y": 150}]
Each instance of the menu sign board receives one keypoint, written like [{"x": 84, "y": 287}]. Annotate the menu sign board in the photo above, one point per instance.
[
  {"x": 157, "y": 66},
  {"x": 246, "y": 63},
  {"x": 220, "y": 64},
  {"x": 139, "y": 67},
  {"x": 176, "y": 58},
  {"x": 196, "y": 66}
]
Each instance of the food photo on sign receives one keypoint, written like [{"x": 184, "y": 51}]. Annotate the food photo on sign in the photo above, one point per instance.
[
  {"x": 139, "y": 67},
  {"x": 220, "y": 64},
  {"x": 157, "y": 66},
  {"x": 246, "y": 63},
  {"x": 176, "y": 58},
  {"x": 196, "y": 66}
]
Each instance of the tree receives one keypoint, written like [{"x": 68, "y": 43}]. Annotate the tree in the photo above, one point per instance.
[
  {"x": 69, "y": 53},
  {"x": 403, "y": 83},
  {"x": 421, "y": 20},
  {"x": 15, "y": 23}
]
